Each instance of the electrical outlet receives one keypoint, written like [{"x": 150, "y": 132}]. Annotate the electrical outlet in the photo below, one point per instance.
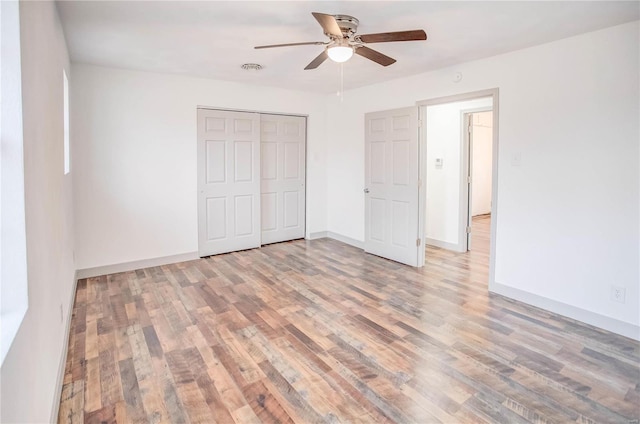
[{"x": 618, "y": 294}]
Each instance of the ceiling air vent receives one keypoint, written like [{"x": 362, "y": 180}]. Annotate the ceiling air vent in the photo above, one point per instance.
[{"x": 251, "y": 67}]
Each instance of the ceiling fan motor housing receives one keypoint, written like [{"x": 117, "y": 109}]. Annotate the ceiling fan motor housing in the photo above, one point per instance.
[{"x": 348, "y": 24}]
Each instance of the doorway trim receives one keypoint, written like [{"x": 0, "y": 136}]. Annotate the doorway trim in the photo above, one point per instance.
[{"x": 494, "y": 93}]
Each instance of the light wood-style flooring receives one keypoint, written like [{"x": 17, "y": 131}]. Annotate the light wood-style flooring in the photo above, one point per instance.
[{"x": 319, "y": 332}]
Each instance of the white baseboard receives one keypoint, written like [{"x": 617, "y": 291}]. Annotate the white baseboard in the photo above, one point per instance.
[
  {"x": 443, "y": 244},
  {"x": 318, "y": 235},
  {"x": 601, "y": 321},
  {"x": 131, "y": 266},
  {"x": 55, "y": 409},
  {"x": 329, "y": 234}
]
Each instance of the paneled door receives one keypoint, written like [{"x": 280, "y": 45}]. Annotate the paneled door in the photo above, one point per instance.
[
  {"x": 391, "y": 185},
  {"x": 228, "y": 181},
  {"x": 282, "y": 141}
]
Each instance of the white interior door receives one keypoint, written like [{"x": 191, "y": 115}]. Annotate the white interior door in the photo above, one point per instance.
[
  {"x": 228, "y": 181},
  {"x": 478, "y": 142},
  {"x": 468, "y": 144},
  {"x": 391, "y": 185},
  {"x": 282, "y": 140}
]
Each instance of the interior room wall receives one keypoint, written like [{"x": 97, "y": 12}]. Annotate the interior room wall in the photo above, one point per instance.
[
  {"x": 481, "y": 159},
  {"x": 29, "y": 374},
  {"x": 135, "y": 150},
  {"x": 445, "y": 141},
  {"x": 568, "y": 168}
]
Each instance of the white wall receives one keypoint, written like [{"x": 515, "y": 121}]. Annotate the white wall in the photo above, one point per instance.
[
  {"x": 30, "y": 370},
  {"x": 568, "y": 214},
  {"x": 481, "y": 159},
  {"x": 444, "y": 215},
  {"x": 135, "y": 158}
]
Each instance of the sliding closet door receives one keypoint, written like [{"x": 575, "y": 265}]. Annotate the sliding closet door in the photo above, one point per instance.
[
  {"x": 282, "y": 142},
  {"x": 228, "y": 181}
]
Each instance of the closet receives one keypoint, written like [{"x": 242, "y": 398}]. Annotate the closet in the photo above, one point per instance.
[{"x": 251, "y": 179}]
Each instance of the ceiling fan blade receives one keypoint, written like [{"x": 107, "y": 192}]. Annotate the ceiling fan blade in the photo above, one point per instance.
[
  {"x": 317, "y": 43},
  {"x": 328, "y": 24},
  {"x": 375, "y": 56},
  {"x": 317, "y": 61},
  {"x": 385, "y": 37}
]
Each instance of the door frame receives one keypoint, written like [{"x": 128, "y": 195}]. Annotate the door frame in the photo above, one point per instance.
[
  {"x": 306, "y": 154},
  {"x": 466, "y": 171},
  {"x": 494, "y": 93}
]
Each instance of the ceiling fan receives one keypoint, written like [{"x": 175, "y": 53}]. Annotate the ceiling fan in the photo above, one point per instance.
[{"x": 343, "y": 41}]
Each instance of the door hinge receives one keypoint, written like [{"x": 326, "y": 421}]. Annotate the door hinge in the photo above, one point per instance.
[
  {"x": 417, "y": 242},
  {"x": 419, "y": 183},
  {"x": 468, "y": 230},
  {"x": 419, "y": 123},
  {"x": 469, "y": 179}
]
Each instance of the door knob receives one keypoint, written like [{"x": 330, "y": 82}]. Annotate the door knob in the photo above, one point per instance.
[{"x": 366, "y": 190}]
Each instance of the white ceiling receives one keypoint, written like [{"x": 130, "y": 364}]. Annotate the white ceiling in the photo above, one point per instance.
[{"x": 212, "y": 39}]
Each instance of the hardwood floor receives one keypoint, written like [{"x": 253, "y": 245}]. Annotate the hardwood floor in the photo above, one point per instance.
[{"x": 318, "y": 331}]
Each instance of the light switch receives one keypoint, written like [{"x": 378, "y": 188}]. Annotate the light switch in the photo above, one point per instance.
[{"x": 438, "y": 162}]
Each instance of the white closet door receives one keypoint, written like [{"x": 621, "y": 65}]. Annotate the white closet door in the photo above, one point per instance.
[
  {"x": 282, "y": 142},
  {"x": 228, "y": 181},
  {"x": 391, "y": 185}
]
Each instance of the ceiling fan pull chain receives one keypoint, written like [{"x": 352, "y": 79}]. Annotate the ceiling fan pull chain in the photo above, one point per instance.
[{"x": 341, "y": 82}]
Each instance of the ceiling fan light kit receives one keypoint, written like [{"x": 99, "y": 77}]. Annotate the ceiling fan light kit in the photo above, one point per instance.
[
  {"x": 340, "y": 53},
  {"x": 343, "y": 41}
]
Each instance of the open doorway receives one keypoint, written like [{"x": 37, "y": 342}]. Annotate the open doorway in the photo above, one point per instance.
[
  {"x": 459, "y": 216},
  {"x": 478, "y": 144}
]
